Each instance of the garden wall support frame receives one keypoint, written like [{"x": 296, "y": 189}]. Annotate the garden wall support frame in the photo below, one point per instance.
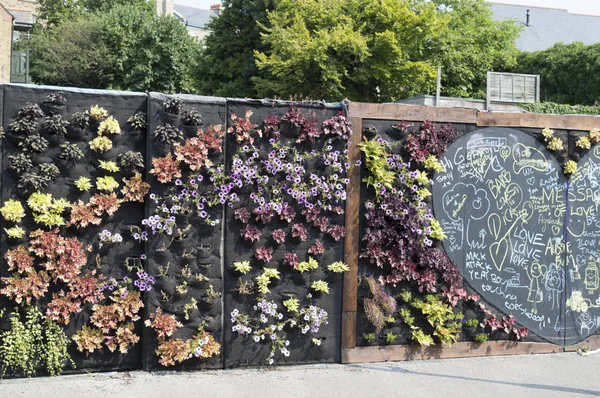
[{"x": 397, "y": 112}]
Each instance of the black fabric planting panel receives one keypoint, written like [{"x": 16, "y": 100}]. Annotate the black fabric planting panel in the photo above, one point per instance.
[
  {"x": 112, "y": 256},
  {"x": 198, "y": 249},
  {"x": 243, "y": 350}
]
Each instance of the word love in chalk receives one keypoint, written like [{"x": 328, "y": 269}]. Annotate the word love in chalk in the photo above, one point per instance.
[{"x": 526, "y": 238}]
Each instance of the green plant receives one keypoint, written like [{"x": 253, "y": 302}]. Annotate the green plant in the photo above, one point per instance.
[
  {"x": 191, "y": 117},
  {"x": 138, "y": 121},
  {"x": 101, "y": 144},
  {"x": 80, "y": 120},
  {"x": 31, "y": 181},
  {"x": 23, "y": 126},
  {"x": 130, "y": 160},
  {"x": 172, "y": 105},
  {"x": 369, "y": 337},
  {"x": 12, "y": 211},
  {"x": 37, "y": 343},
  {"x": 20, "y": 163},
  {"x": 168, "y": 134},
  {"x": 481, "y": 337},
  {"x": 57, "y": 98},
  {"x": 49, "y": 171},
  {"x": 34, "y": 143},
  {"x": 390, "y": 337},
  {"x": 56, "y": 125},
  {"x": 47, "y": 210},
  {"x": 471, "y": 323},
  {"x": 70, "y": 152},
  {"x": 110, "y": 125}
]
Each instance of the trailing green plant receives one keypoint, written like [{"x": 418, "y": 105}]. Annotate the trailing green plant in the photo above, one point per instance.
[
  {"x": 20, "y": 162},
  {"x": 70, "y": 152},
  {"x": 36, "y": 343},
  {"x": 369, "y": 337},
  {"x": 138, "y": 121}
]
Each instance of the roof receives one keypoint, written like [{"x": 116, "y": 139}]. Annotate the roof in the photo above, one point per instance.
[
  {"x": 548, "y": 26},
  {"x": 193, "y": 17}
]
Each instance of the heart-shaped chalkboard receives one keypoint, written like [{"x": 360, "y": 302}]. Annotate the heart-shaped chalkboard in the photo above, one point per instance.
[{"x": 522, "y": 235}]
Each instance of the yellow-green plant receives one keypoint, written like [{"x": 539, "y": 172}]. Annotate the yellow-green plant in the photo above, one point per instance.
[
  {"x": 338, "y": 267},
  {"x": 376, "y": 161},
  {"x": 47, "y": 210},
  {"x": 98, "y": 113},
  {"x": 320, "y": 286},
  {"x": 15, "y": 232},
  {"x": 13, "y": 211},
  {"x": 109, "y": 166},
  {"x": 107, "y": 183},
  {"x": 264, "y": 280},
  {"x": 309, "y": 265},
  {"x": 101, "y": 144},
  {"x": 570, "y": 167},
  {"x": 292, "y": 305},
  {"x": 110, "y": 125},
  {"x": 83, "y": 184},
  {"x": 242, "y": 267}
]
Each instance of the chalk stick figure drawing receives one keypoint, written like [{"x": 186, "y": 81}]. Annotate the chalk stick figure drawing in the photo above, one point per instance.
[
  {"x": 554, "y": 283},
  {"x": 535, "y": 272},
  {"x": 585, "y": 322}
]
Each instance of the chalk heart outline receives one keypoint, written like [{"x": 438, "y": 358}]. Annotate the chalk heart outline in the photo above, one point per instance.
[{"x": 501, "y": 246}]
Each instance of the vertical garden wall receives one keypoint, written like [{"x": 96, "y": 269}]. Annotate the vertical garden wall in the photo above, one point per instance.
[{"x": 153, "y": 231}]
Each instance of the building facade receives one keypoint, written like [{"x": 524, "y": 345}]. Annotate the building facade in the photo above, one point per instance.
[{"x": 16, "y": 20}]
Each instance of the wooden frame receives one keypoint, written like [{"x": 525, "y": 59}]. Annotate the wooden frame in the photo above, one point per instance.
[{"x": 396, "y": 112}]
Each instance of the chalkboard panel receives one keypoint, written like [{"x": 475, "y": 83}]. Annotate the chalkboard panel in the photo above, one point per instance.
[{"x": 502, "y": 201}]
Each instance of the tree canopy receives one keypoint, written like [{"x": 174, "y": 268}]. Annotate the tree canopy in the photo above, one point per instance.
[
  {"x": 569, "y": 73},
  {"x": 115, "y": 44},
  {"x": 380, "y": 50}
]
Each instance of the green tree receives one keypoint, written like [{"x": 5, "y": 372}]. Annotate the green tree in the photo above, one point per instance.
[
  {"x": 127, "y": 47},
  {"x": 226, "y": 65},
  {"x": 470, "y": 45},
  {"x": 73, "y": 56},
  {"x": 358, "y": 49},
  {"x": 381, "y": 50},
  {"x": 569, "y": 73}
]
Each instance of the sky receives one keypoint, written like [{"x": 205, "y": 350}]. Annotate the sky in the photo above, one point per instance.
[{"x": 574, "y": 6}]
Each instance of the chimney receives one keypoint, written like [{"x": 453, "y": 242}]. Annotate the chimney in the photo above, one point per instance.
[
  {"x": 527, "y": 18},
  {"x": 216, "y": 8},
  {"x": 164, "y": 7}
]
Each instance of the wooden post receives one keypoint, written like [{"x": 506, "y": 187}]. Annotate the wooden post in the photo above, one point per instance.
[{"x": 351, "y": 240}]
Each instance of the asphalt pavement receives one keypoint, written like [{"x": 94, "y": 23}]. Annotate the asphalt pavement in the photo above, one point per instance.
[{"x": 550, "y": 375}]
